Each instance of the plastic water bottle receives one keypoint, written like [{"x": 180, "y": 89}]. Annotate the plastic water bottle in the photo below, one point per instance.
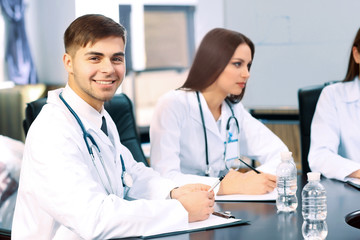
[
  {"x": 314, "y": 209},
  {"x": 286, "y": 175}
]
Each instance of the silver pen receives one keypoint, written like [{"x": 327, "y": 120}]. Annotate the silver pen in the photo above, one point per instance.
[{"x": 215, "y": 184}]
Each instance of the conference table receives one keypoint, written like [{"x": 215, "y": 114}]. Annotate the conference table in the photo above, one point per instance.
[{"x": 266, "y": 223}]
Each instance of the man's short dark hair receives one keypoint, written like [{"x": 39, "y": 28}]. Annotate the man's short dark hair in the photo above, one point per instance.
[{"x": 89, "y": 29}]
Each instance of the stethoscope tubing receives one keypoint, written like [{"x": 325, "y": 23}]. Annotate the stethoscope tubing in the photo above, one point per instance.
[
  {"x": 207, "y": 171},
  {"x": 87, "y": 136}
]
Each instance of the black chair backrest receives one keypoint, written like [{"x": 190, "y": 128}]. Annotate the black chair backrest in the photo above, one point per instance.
[
  {"x": 308, "y": 98},
  {"x": 120, "y": 109},
  {"x": 31, "y": 111}
]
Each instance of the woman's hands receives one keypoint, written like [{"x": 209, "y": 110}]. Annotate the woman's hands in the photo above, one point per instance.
[
  {"x": 247, "y": 183},
  {"x": 196, "y": 199}
]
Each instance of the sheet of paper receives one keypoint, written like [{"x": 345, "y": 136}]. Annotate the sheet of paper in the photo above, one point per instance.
[
  {"x": 241, "y": 197},
  {"x": 354, "y": 182},
  {"x": 211, "y": 223}
]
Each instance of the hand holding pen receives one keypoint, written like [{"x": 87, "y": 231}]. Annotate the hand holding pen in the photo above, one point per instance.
[
  {"x": 197, "y": 201},
  {"x": 250, "y": 183},
  {"x": 226, "y": 214},
  {"x": 249, "y": 166},
  {"x": 216, "y": 183}
]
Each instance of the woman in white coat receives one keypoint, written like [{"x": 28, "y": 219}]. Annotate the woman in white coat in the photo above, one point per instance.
[
  {"x": 189, "y": 140},
  {"x": 335, "y": 129}
]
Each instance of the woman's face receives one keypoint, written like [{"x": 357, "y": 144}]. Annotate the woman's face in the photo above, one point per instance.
[
  {"x": 236, "y": 73},
  {"x": 356, "y": 55}
]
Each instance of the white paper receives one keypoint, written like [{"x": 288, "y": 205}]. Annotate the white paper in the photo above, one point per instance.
[
  {"x": 212, "y": 221},
  {"x": 353, "y": 181},
  {"x": 242, "y": 197}
]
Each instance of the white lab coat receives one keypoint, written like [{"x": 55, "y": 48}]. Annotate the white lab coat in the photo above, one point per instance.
[
  {"x": 335, "y": 131},
  {"x": 178, "y": 145},
  {"x": 60, "y": 194}
]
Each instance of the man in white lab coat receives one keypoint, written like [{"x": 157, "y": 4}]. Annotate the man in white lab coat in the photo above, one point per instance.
[{"x": 66, "y": 194}]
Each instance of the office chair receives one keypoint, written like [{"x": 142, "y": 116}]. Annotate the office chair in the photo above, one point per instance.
[
  {"x": 308, "y": 98},
  {"x": 120, "y": 109}
]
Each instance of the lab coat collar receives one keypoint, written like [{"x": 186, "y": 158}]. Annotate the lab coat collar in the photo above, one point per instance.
[
  {"x": 83, "y": 109},
  {"x": 352, "y": 90},
  {"x": 90, "y": 117},
  {"x": 210, "y": 122}
]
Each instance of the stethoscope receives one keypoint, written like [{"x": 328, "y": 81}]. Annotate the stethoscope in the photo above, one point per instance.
[
  {"x": 235, "y": 164},
  {"x": 125, "y": 177}
]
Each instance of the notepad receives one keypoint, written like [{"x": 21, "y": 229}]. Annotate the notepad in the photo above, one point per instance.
[
  {"x": 242, "y": 197},
  {"x": 355, "y": 182},
  {"x": 211, "y": 223}
]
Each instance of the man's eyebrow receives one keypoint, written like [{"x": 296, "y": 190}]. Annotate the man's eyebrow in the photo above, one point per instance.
[
  {"x": 119, "y": 54},
  {"x": 101, "y": 54},
  {"x": 94, "y": 53}
]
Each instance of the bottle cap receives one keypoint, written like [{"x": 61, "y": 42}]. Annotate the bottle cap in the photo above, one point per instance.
[
  {"x": 286, "y": 156},
  {"x": 313, "y": 176}
]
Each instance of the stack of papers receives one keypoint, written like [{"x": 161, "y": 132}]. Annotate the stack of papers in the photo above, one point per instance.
[
  {"x": 241, "y": 197},
  {"x": 355, "y": 182},
  {"x": 211, "y": 223}
]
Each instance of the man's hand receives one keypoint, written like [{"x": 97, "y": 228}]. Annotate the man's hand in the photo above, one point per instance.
[
  {"x": 188, "y": 188},
  {"x": 247, "y": 183},
  {"x": 196, "y": 199}
]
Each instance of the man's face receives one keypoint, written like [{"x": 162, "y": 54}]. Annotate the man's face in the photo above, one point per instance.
[{"x": 96, "y": 72}]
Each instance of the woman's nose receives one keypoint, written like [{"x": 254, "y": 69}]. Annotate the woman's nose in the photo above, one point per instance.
[{"x": 245, "y": 73}]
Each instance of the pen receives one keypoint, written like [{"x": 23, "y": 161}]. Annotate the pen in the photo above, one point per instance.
[
  {"x": 249, "y": 166},
  {"x": 223, "y": 215},
  {"x": 215, "y": 184}
]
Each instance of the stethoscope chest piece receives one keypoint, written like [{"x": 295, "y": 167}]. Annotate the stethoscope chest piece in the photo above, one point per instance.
[{"x": 127, "y": 179}]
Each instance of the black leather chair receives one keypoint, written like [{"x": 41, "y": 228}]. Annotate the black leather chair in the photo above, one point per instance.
[
  {"x": 120, "y": 109},
  {"x": 308, "y": 98}
]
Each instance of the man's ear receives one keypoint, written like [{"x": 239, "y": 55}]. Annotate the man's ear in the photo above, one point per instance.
[
  {"x": 356, "y": 55},
  {"x": 67, "y": 59}
]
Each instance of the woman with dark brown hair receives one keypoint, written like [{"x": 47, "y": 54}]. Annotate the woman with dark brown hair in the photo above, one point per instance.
[
  {"x": 335, "y": 129},
  {"x": 199, "y": 131}
]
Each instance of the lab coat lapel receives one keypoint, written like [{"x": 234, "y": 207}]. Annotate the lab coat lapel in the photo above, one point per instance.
[
  {"x": 90, "y": 118},
  {"x": 225, "y": 115},
  {"x": 209, "y": 120},
  {"x": 102, "y": 136},
  {"x": 110, "y": 160},
  {"x": 352, "y": 93}
]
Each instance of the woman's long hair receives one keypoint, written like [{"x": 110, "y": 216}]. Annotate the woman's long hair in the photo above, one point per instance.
[{"x": 353, "y": 67}]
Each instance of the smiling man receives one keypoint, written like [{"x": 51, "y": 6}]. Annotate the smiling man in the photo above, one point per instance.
[
  {"x": 95, "y": 71},
  {"x": 79, "y": 182}
]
